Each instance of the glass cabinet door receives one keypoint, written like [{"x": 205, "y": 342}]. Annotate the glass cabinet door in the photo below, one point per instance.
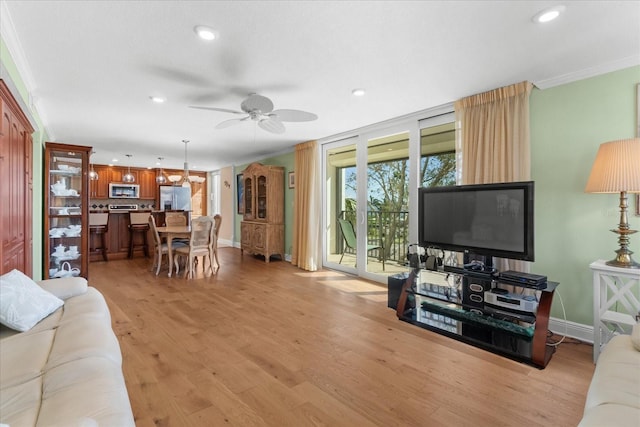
[
  {"x": 66, "y": 211},
  {"x": 248, "y": 198},
  {"x": 261, "y": 196}
]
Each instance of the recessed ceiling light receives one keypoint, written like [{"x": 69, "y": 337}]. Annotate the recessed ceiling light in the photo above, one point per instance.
[
  {"x": 549, "y": 14},
  {"x": 205, "y": 33},
  {"x": 114, "y": 160},
  {"x": 358, "y": 92},
  {"x": 157, "y": 99}
]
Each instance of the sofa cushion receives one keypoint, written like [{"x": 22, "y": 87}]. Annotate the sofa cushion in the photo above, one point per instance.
[
  {"x": 65, "y": 288},
  {"x": 611, "y": 414},
  {"x": 89, "y": 304},
  {"x": 92, "y": 337},
  {"x": 23, "y": 303},
  {"x": 20, "y": 404},
  {"x": 93, "y": 387},
  {"x": 23, "y": 358},
  {"x": 635, "y": 336},
  {"x": 614, "y": 380}
]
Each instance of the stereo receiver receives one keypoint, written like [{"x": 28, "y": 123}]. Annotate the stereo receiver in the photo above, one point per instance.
[{"x": 517, "y": 303}]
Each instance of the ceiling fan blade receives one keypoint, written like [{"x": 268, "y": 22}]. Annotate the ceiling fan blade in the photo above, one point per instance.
[
  {"x": 272, "y": 125},
  {"x": 257, "y": 102},
  {"x": 224, "y": 110},
  {"x": 230, "y": 122},
  {"x": 293, "y": 116}
]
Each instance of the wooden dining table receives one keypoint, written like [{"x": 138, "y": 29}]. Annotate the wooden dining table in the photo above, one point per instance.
[{"x": 173, "y": 232}]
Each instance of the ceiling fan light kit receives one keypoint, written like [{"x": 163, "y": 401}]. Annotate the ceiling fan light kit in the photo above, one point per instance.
[
  {"x": 259, "y": 108},
  {"x": 205, "y": 33}
]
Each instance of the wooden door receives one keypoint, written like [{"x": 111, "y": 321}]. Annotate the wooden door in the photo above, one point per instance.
[{"x": 16, "y": 186}]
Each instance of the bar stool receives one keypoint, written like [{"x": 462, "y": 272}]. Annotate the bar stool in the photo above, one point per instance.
[
  {"x": 99, "y": 227},
  {"x": 138, "y": 225}
]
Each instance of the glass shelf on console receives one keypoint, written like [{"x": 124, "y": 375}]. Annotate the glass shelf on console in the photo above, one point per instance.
[{"x": 435, "y": 302}]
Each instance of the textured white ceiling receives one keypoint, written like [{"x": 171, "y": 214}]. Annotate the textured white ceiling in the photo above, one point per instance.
[{"x": 92, "y": 65}]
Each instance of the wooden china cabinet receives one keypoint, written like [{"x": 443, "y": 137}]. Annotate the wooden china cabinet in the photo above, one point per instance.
[
  {"x": 262, "y": 227},
  {"x": 66, "y": 210}
]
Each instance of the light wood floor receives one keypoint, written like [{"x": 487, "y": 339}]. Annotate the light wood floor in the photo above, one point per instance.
[{"x": 271, "y": 345}]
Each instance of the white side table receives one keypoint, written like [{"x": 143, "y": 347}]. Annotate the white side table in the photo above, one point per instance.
[{"x": 615, "y": 302}]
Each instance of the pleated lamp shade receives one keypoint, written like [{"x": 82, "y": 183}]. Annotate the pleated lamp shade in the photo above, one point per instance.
[{"x": 616, "y": 168}]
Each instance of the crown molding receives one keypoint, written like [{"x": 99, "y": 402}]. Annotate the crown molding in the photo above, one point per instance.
[
  {"x": 607, "y": 67},
  {"x": 8, "y": 33},
  {"x": 13, "y": 45}
]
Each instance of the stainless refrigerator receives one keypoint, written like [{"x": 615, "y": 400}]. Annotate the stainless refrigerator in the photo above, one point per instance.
[{"x": 175, "y": 198}]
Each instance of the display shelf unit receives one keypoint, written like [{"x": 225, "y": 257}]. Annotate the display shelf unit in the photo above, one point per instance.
[
  {"x": 66, "y": 205},
  {"x": 262, "y": 227},
  {"x": 616, "y": 304},
  {"x": 437, "y": 301}
]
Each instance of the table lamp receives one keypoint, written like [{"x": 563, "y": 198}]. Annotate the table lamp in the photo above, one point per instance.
[{"x": 617, "y": 170}]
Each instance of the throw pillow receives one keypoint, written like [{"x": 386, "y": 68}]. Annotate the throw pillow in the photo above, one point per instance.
[
  {"x": 23, "y": 303},
  {"x": 635, "y": 336}
]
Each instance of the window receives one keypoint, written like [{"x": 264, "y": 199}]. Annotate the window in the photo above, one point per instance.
[{"x": 438, "y": 157}]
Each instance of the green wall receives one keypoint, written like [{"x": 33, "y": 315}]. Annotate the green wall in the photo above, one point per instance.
[
  {"x": 39, "y": 138},
  {"x": 568, "y": 123},
  {"x": 285, "y": 160}
]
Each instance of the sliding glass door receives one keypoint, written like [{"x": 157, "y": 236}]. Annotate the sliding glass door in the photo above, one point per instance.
[
  {"x": 366, "y": 194},
  {"x": 370, "y": 188}
]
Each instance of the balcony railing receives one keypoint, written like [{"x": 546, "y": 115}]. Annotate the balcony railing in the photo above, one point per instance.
[{"x": 389, "y": 228}]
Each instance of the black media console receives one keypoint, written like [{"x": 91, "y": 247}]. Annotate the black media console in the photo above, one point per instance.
[{"x": 506, "y": 315}]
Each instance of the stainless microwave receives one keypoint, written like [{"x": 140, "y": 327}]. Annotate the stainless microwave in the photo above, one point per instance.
[{"x": 124, "y": 191}]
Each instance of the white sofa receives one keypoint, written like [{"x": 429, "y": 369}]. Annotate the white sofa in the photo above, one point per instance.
[
  {"x": 67, "y": 369},
  {"x": 613, "y": 398}
]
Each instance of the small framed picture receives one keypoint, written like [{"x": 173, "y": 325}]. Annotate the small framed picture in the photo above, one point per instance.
[
  {"x": 240, "y": 195},
  {"x": 292, "y": 180}
]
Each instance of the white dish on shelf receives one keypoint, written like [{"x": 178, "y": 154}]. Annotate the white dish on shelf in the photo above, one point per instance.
[
  {"x": 67, "y": 169},
  {"x": 66, "y": 256},
  {"x": 56, "y": 232},
  {"x": 65, "y": 192}
]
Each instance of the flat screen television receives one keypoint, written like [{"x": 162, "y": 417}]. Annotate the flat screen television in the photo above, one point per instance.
[{"x": 491, "y": 220}]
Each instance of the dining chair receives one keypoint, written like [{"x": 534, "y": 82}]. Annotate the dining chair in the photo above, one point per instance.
[
  {"x": 176, "y": 219},
  {"x": 160, "y": 248},
  {"x": 217, "y": 220},
  {"x": 200, "y": 244},
  {"x": 349, "y": 235}
]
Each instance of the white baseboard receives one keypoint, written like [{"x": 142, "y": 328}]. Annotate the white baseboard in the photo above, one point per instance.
[
  {"x": 225, "y": 242},
  {"x": 571, "y": 329},
  {"x": 559, "y": 326}
]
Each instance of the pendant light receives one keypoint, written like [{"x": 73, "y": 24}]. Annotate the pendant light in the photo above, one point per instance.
[
  {"x": 160, "y": 179},
  {"x": 186, "y": 180},
  {"x": 93, "y": 175},
  {"x": 128, "y": 177}
]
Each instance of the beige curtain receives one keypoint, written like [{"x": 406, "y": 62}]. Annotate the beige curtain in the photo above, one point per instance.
[
  {"x": 492, "y": 141},
  {"x": 493, "y": 135},
  {"x": 306, "y": 207}
]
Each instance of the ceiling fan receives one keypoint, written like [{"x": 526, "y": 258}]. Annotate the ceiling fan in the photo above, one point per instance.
[{"x": 260, "y": 109}]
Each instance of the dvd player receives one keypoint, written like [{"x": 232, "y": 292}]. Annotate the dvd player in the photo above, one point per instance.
[{"x": 528, "y": 280}]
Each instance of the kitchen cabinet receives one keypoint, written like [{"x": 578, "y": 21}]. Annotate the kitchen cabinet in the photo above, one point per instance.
[
  {"x": 100, "y": 187},
  {"x": 148, "y": 186},
  {"x": 118, "y": 172}
]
